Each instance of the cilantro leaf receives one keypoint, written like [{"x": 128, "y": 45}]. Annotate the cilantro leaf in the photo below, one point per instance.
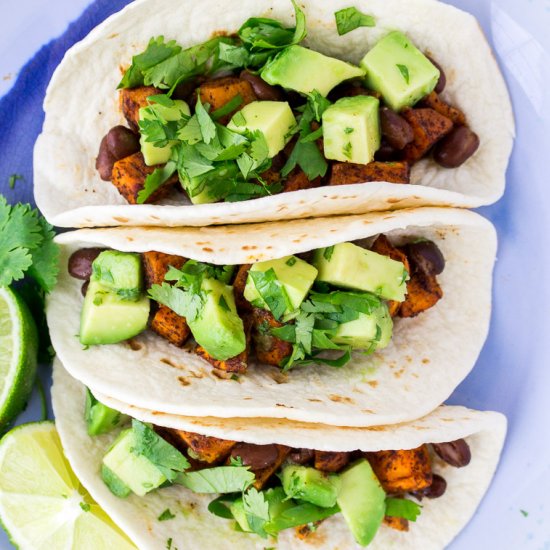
[
  {"x": 186, "y": 304},
  {"x": 156, "y": 180},
  {"x": 256, "y": 508},
  {"x": 349, "y": 19},
  {"x": 309, "y": 158},
  {"x": 13, "y": 180},
  {"x": 221, "y": 479},
  {"x": 206, "y": 124},
  {"x": 218, "y": 508},
  {"x": 166, "y": 515},
  {"x": 229, "y": 107},
  {"x": 404, "y": 70},
  {"x": 44, "y": 268},
  {"x": 302, "y": 513},
  {"x": 402, "y": 508},
  {"x": 272, "y": 293}
]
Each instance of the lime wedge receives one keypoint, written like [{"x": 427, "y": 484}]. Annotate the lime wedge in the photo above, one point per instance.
[
  {"x": 43, "y": 506},
  {"x": 18, "y": 349}
]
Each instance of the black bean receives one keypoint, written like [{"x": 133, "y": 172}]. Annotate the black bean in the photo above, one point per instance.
[
  {"x": 435, "y": 490},
  {"x": 426, "y": 257},
  {"x": 263, "y": 90},
  {"x": 105, "y": 161},
  {"x": 456, "y": 147},
  {"x": 456, "y": 453},
  {"x": 397, "y": 131},
  {"x": 441, "y": 83},
  {"x": 80, "y": 262},
  {"x": 84, "y": 288},
  {"x": 386, "y": 153},
  {"x": 257, "y": 457},
  {"x": 301, "y": 456},
  {"x": 122, "y": 142}
]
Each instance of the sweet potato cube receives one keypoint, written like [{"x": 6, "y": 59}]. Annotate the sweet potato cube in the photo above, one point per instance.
[
  {"x": 269, "y": 349},
  {"x": 423, "y": 292},
  {"x": 129, "y": 178},
  {"x": 402, "y": 471},
  {"x": 428, "y": 128},
  {"x": 170, "y": 325},
  {"x": 330, "y": 462},
  {"x": 238, "y": 288},
  {"x": 264, "y": 474},
  {"x": 156, "y": 264},
  {"x": 211, "y": 450},
  {"x": 347, "y": 172},
  {"x": 219, "y": 91},
  {"x": 434, "y": 101},
  {"x": 131, "y": 100},
  {"x": 399, "y": 524},
  {"x": 297, "y": 180}
]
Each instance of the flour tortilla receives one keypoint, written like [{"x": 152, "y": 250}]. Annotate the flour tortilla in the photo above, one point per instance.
[
  {"x": 428, "y": 357},
  {"x": 194, "y": 527},
  {"x": 81, "y": 106}
]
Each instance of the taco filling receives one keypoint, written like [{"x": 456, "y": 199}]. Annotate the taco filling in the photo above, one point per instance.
[
  {"x": 266, "y": 489},
  {"x": 314, "y": 307},
  {"x": 256, "y": 113}
]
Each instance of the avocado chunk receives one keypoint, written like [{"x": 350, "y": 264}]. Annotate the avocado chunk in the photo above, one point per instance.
[
  {"x": 218, "y": 327},
  {"x": 350, "y": 266},
  {"x": 367, "y": 330},
  {"x": 205, "y": 188},
  {"x": 121, "y": 272},
  {"x": 152, "y": 154},
  {"x": 101, "y": 419},
  {"x": 237, "y": 509},
  {"x": 136, "y": 472},
  {"x": 107, "y": 318},
  {"x": 287, "y": 279},
  {"x": 362, "y": 501},
  {"x": 399, "y": 71},
  {"x": 311, "y": 485},
  {"x": 304, "y": 70},
  {"x": 274, "y": 119},
  {"x": 351, "y": 129}
]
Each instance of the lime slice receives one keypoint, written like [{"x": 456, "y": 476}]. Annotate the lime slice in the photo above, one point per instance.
[
  {"x": 43, "y": 506},
  {"x": 18, "y": 349}
]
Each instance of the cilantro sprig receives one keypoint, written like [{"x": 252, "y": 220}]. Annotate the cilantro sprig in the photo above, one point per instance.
[
  {"x": 403, "y": 508},
  {"x": 349, "y": 19}
]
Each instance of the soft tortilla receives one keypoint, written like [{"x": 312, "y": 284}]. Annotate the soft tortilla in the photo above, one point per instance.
[
  {"x": 81, "y": 106},
  {"x": 428, "y": 357},
  {"x": 194, "y": 527}
]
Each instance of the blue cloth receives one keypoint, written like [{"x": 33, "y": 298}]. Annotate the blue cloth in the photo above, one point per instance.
[{"x": 21, "y": 109}]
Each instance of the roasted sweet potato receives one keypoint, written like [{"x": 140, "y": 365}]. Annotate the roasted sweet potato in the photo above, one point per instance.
[
  {"x": 132, "y": 100},
  {"x": 399, "y": 524},
  {"x": 263, "y": 475},
  {"x": 423, "y": 292},
  {"x": 129, "y": 178},
  {"x": 297, "y": 180},
  {"x": 238, "y": 288},
  {"x": 428, "y": 128},
  {"x": 210, "y": 450},
  {"x": 329, "y": 461},
  {"x": 434, "y": 101},
  {"x": 170, "y": 325},
  {"x": 348, "y": 172},
  {"x": 269, "y": 349},
  {"x": 402, "y": 471},
  {"x": 219, "y": 91},
  {"x": 156, "y": 264}
]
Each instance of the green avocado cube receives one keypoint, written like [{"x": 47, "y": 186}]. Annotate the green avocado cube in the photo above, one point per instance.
[
  {"x": 152, "y": 154},
  {"x": 107, "y": 318},
  {"x": 101, "y": 419},
  {"x": 218, "y": 328},
  {"x": 347, "y": 265},
  {"x": 362, "y": 501},
  {"x": 367, "y": 330},
  {"x": 399, "y": 71},
  {"x": 121, "y": 272},
  {"x": 311, "y": 485},
  {"x": 294, "y": 276},
  {"x": 304, "y": 70},
  {"x": 351, "y": 129},
  {"x": 274, "y": 119},
  {"x": 137, "y": 472}
]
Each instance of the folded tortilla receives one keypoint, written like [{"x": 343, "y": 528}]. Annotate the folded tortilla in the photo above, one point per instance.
[
  {"x": 428, "y": 356},
  {"x": 194, "y": 527},
  {"x": 81, "y": 106}
]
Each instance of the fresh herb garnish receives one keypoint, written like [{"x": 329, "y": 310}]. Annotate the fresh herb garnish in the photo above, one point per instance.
[
  {"x": 166, "y": 515},
  {"x": 228, "y": 108},
  {"x": 348, "y": 130},
  {"x": 347, "y": 150},
  {"x": 221, "y": 479},
  {"x": 402, "y": 508},
  {"x": 13, "y": 180},
  {"x": 223, "y": 304},
  {"x": 156, "y": 180},
  {"x": 328, "y": 252},
  {"x": 272, "y": 293},
  {"x": 350, "y": 19},
  {"x": 85, "y": 506},
  {"x": 291, "y": 261},
  {"x": 256, "y": 508},
  {"x": 403, "y": 69}
]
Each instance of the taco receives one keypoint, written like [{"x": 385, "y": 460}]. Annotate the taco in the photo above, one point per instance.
[
  {"x": 287, "y": 114},
  {"x": 361, "y": 320},
  {"x": 184, "y": 482}
]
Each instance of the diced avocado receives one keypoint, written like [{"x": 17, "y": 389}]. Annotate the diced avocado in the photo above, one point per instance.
[
  {"x": 107, "y": 319},
  {"x": 273, "y": 118},
  {"x": 138, "y": 473},
  {"x": 311, "y": 485},
  {"x": 114, "y": 483},
  {"x": 101, "y": 419},
  {"x": 366, "y": 331},
  {"x": 351, "y": 129},
  {"x": 399, "y": 71},
  {"x": 205, "y": 188},
  {"x": 362, "y": 501},
  {"x": 350, "y": 266},
  {"x": 151, "y": 153},
  {"x": 218, "y": 328},
  {"x": 237, "y": 509},
  {"x": 304, "y": 70},
  {"x": 119, "y": 271},
  {"x": 293, "y": 275}
]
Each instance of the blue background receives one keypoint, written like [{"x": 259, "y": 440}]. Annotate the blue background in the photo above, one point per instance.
[{"x": 513, "y": 372}]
